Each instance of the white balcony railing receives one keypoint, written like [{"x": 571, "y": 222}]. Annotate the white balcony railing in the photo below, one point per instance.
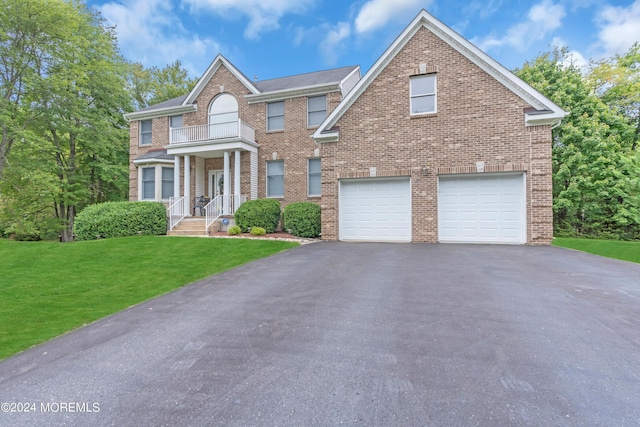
[{"x": 235, "y": 129}]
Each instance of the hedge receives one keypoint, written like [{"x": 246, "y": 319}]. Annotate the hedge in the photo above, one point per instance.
[
  {"x": 119, "y": 219},
  {"x": 263, "y": 213},
  {"x": 302, "y": 219}
]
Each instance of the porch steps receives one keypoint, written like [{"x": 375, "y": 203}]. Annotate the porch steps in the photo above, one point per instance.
[{"x": 190, "y": 227}]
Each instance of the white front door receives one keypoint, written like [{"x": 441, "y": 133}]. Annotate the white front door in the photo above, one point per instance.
[{"x": 216, "y": 179}]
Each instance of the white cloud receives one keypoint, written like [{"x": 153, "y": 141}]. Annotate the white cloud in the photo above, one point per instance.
[
  {"x": 376, "y": 13},
  {"x": 149, "y": 32},
  {"x": 542, "y": 19},
  {"x": 264, "y": 15},
  {"x": 573, "y": 58},
  {"x": 619, "y": 28},
  {"x": 332, "y": 43}
]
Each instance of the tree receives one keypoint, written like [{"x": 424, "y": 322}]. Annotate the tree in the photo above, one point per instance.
[
  {"x": 150, "y": 86},
  {"x": 30, "y": 35},
  {"x": 594, "y": 187},
  {"x": 78, "y": 143}
]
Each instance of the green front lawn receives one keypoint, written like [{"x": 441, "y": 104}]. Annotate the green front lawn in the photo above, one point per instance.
[
  {"x": 627, "y": 251},
  {"x": 48, "y": 288}
]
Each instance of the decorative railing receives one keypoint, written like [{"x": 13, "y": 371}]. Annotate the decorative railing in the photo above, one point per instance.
[
  {"x": 177, "y": 210},
  {"x": 222, "y": 205},
  {"x": 235, "y": 129}
]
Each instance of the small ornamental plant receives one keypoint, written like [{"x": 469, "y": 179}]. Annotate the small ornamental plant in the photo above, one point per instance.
[
  {"x": 258, "y": 231},
  {"x": 234, "y": 230}
]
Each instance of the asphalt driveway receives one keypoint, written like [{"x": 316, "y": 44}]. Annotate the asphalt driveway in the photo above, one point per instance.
[{"x": 356, "y": 334}]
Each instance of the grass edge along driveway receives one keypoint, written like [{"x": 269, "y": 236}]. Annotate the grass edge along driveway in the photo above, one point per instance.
[
  {"x": 47, "y": 288},
  {"x": 618, "y": 249}
]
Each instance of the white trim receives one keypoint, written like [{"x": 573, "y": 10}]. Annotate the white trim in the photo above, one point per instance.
[
  {"x": 345, "y": 87},
  {"x": 217, "y": 62},
  {"x": 151, "y": 161},
  {"x": 162, "y": 112},
  {"x": 213, "y": 185},
  {"x": 157, "y": 180},
  {"x": 267, "y": 116},
  {"x": 467, "y": 49},
  {"x": 434, "y": 94},
  {"x": 207, "y": 146},
  {"x": 280, "y": 95}
]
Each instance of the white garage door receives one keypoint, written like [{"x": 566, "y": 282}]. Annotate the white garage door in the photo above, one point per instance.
[
  {"x": 375, "y": 209},
  {"x": 482, "y": 209}
]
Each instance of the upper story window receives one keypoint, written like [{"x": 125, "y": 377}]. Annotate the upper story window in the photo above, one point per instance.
[
  {"x": 423, "y": 94},
  {"x": 175, "y": 121},
  {"x": 223, "y": 109},
  {"x": 316, "y": 110},
  {"x": 145, "y": 132},
  {"x": 275, "y": 115}
]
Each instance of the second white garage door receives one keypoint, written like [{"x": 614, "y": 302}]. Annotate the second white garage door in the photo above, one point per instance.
[
  {"x": 482, "y": 208},
  {"x": 375, "y": 209}
]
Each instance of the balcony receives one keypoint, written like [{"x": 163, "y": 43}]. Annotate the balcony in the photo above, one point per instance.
[{"x": 222, "y": 132}]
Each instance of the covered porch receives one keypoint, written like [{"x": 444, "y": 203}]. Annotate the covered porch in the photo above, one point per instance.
[{"x": 216, "y": 167}]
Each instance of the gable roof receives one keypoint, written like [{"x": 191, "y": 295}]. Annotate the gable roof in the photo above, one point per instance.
[
  {"x": 308, "y": 79},
  {"x": 217, "y": 62},
  {"x": 316, "y": 82},
  {"x": 547, "y": 112}
]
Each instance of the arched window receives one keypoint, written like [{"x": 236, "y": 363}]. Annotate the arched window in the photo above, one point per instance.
[{"x": 223, "y": 109}]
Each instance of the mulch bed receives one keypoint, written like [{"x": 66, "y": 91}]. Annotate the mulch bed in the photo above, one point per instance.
[{"x": 277, "y": 235}]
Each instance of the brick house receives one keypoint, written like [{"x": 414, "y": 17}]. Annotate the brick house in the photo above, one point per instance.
[{"x": 437, "y": 142}]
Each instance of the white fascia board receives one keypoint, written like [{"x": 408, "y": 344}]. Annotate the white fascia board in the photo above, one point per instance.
[
  {"x": 459, "y": 43},
  {"x": 343, "y": 88},
  {"x": 219, "y": 60},
  {"x": 152, "y": 161},
  {"x": 279, "y": 95},
  {"x": 205, "y": 146},
  {"x": 333, "y": 136},
  {"x": 553, "y": 118},
  {"x": 162, "y": 112}
]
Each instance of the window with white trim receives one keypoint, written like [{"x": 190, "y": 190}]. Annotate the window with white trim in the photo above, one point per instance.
[
  {"x": 149, "y": 183},
  {"x": 423, "y": 94},
  {"x": 314, "y": 186},
  {"x": 175, "y": 121},
  {"x": 167, "y": 182},
  {"x": 275, "y": 115},
  {"x": 145, "y": 132},
  {"x": 275, "y": 178},
  {"x": 316, "y": 110}
]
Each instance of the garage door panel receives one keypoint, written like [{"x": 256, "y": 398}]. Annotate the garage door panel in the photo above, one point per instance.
[
  {"x": 486, "y": 208},
  {"x": 376, "y": 209}
]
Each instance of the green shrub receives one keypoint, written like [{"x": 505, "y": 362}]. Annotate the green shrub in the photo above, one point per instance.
[
  {"x": 258, "y": 231},
  {"x": 302, "y": 219},
  {"x": 234, "y": 230},
  {"x": 119, "y": 219},
  {"x": 263, "y": 213}
]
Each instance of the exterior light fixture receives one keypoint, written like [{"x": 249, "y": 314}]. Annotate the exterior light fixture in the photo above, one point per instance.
[{"x": 424, "y": 170}]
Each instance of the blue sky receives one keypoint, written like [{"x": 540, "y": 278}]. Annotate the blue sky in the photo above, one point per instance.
[{"x": 276, "y": 38}]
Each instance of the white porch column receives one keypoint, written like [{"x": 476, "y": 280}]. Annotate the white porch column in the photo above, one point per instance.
[
  {"x": 227, "y": 185},
  {"x": 176, "y": 177},
  {"x": 187, "y": 183},
  {"x": 236, "y": 180}
]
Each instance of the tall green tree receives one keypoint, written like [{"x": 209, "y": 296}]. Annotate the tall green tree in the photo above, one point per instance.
[
  {"x": 593, "y": 185},
  {"x": 79, "y": 141},
  {"x": 150, "y": 86},
  {"x": 31, "y": 32}
]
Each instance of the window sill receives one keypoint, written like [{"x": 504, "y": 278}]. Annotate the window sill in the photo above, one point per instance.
[
  {"x": 316, "y": 196},
  {"x": 423, "y": 115},
  {"x": 275, "y": 131},
  {"x": 276, "y": 197}
]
